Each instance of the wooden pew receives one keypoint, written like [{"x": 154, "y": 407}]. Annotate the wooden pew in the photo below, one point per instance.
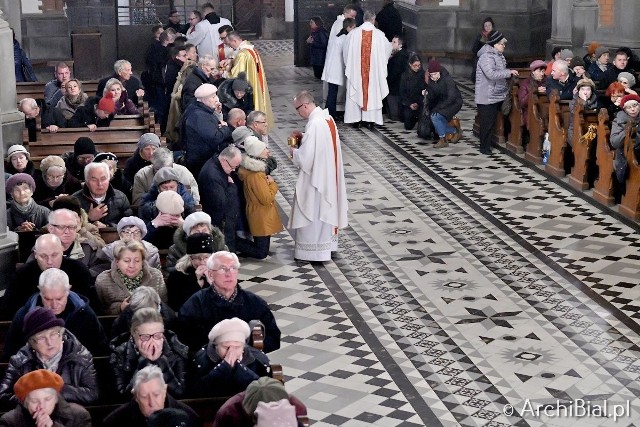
[
  {"x": 630, "y": 202},
  {"x": 514, "y": 138},
  {"x": 109, "y": 234},
  {"x": 558, "y": 134},
  {"x": 35, "y": 90},
  {"x": 583, "y": 146},
  {"x": 538, "y": 115},
  {"x": 603, "y": 186}
]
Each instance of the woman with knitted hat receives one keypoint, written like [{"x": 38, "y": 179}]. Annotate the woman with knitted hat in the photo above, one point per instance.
[
  {"x": 18, "y": 160},
  {"x": 41, "y": 403},
  {"x": 628, "y": 81},
  {"x": 491, "y": 86},
  {"x": 585, "y": 94},
  {"x": 260, "y": 192},
  {"x": 132, "y": 228},
  {"x": 24, "y": 214},
  {"x": 50, "y": 346},
  {"x": 54, "y": 181}
]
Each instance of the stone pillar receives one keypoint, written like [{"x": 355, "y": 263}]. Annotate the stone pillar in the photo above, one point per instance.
[
  {"x": 561, "y": 28},
  {"x": 12, "y": 120},
  {"x": 12, "y": 11},
  {"x": 585, "y": 22}
]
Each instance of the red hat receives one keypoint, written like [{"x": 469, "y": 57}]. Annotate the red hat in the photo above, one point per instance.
[
  {"x": 628, "y": 98},
  {"x": 434, "y": 66},
  {"x": 35, "y": 380},
  {"x": 106, "y": 103}
]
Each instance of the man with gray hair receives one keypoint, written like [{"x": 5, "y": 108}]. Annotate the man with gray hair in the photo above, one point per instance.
[
  {"x": 257, "y": 122},
  {"x": 219, "y": 188},
  {"x": 161, "y": 158},
  {"x": 561, "y": 79},
  {"x": 206, "y": 72},
  {"x": 51, "y": 118},
  {"x": 55, "y": 294},
  {"x": 123, "y": 72},
  {"x": 149, "y": 396}
]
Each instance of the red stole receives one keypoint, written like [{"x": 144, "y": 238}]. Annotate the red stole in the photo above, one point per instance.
[
  {"x": 221, "y": 55},
  {"x": 365, "y": 55},
  {"x": 334, "y": 140}
]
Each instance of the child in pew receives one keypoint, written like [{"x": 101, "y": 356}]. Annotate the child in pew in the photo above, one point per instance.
[
  {"x": 585, "y": 94},
  {"x": 630, "y": 114},
  {"x": 97, "y": 112}
]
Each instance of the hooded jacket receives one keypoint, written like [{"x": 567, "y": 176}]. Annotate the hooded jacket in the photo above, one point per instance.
[
  {"x": 260, "y": 195},
  {"x": 148, "y": 210}
]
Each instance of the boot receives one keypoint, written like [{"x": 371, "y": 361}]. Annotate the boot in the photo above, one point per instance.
[
  {"x": 454, "y": 138},
  {"x": 455, "y": 122},
  {"x": 442, "y": 142}
]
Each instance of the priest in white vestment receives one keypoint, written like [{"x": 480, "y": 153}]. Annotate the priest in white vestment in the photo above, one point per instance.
[
  {"x": 320, "y": 201},
  {"x": 366, "y": 53}
]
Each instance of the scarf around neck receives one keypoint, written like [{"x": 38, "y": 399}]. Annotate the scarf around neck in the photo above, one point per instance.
[
  {"x": 26, "y": 208},
  {"x": 132, "y": 283}
]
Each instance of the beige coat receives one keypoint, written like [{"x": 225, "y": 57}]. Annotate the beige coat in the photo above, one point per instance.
[
  {"x": 112, "y": 291},
  {"x": 261, "y": 210}
]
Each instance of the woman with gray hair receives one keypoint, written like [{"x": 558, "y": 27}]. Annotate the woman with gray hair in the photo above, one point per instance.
[
  {"x": 143, "y": 297},
  {"x": 149, "y": 343},
  {"x": 123, "y": 104},
  {"x": 54, "y": 181},
  {"x": 132, "y": 228}
]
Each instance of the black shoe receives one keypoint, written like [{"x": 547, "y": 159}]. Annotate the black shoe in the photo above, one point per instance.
[
  {"x": 368, "y": 125},
  {"x": 355, "y": 125},
  {"x": 486, "y": 151}
]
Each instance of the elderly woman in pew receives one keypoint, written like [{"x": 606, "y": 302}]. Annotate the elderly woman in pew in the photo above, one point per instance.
[
  {"x": 227, "y": 364},
  {"x": 50, "y": 346},
  {"x": 628, "y": 81},
  {"x": 143, "y": 297},
  {"x": 585, "y": 94},
  {"x": 24, "y": 213},
  {"x": 168, "y": 209},
  {"x": 630, "y": 114},
  {"x": 118, "y": 180},
  {"x": 611, "y": 99},
  {"x": 95, "y": 113},
  {"x": 165, "y": 179},
  {"x": 149, "y": 343},
  {"x": 535, "y": 83},
  {"x": 73, "y": 98},
  {"x": 129, "y": 271},
  {"x": 19, "y": 161},
  {"x": 42, "y": 405},
  {"x": 123, "y": 104},
  {"x": 132, "y": 228},
  {"x": 147, "y": 145},
  {"x": 54, "y": 181}
]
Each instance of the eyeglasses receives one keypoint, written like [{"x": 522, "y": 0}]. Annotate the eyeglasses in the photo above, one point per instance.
[
  {"x": 55, "y": 177},
  {"x": 156, "y": 337},
  {"x": 53, "y": 336},
  {"x": 199, "y": 257},
  {"x": 230, "y": 166},
  {"x": 300, "y": 106},
  {"x": 64, "y": 228},
  {"x": 229, "y": 269},
  {"x": 135, "y": 233}
]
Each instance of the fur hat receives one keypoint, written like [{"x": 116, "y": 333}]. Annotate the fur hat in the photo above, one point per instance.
[
  {"x": 240, "y": 83},
  {"x": 434, "y": 66},
  {"x": 84, "y": 145},
  {"x": 253, "y": 146},
  {"x": 17, "y": 149},
  {"x": 200, "y": 243},
  {"x": 68, "y": 202},
  {"x": 576, "y": 61},
  {"x": 20, "y": 178},
  {"x": 49, "y": 162},
  {"x": 229, "y": 330},
  {"x": 265, "y": 389},
  {"x": 537, "y": 64},
  {"x": 170, "y": 202},
  {"x": 240, "y": 133},
  {"x": 36, "y": 380},
  {"x": 585, "y": 82},
  {"x": 205, "y": 91},
  {"x": 494, "y": 37},
  {"x": 106, "y": 103},
  {"x": 195, "y": 218},
  {"x": 105, "y": 156},
  {"x": 169, "y": 417},
  {"x": 134, "y": 221},
  {"x": 165, "y": 174},
  {"x": 629, "y": 77},
  {"x": 40, "y": 319},
  {"x": 628, "y": 98},
  {"x": 148, "y": 139},
  {"x": 600, "y": 51}
]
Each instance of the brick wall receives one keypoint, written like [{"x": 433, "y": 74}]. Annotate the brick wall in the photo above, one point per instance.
[{"x": 607, "y": 13}]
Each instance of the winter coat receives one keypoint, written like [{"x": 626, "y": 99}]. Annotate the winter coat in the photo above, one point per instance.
[
  {"x": 23, "y": 68},
  {"x": 126, "y": 360},
  {"x": 171, "y": 71},
  {"x": 491, "y": 76},
  {"x": 112, "y": 290},
  {"x": 229, "y": 100},
  {"x": 36, "y": 214},
  {"x": 525, "y": 90},
  {"x": 122, "y": 324},
  {"x": 260, "y": 195},
  {"x": 389, "y": 21},
  {"x": 125, "y": 106},
  {"x": 25, "y": 284},
  {"x": 597, "y": 73},
  {"x": 30, "y": 169},
  {"x": 120, "y": 182},
  {"x": 591, "y": 104},
  {"x": 565, "y": 90},
  {"x": 616, "y": 139},
  {"x": 131, "y": 86},
  {"x": 75, "y": 367},
  {"x": 411, "y": 86},
  {"x": 144, "y": 180},
  {"x": 193, "y": 82},
  {"x": 67, "y": 108},
  {"x": 206, "y": 308},
  {"x": 79, "y": 319},
  {"x": 153, "y": 255},
  {"x": 220, "y": 199},
  {"x": 116, "y": 201},
  {"x": 181, "y": 285},
  {"x": 73, "y": 168},
  {"x": 65, "y": 414},
  {"x": 85, "y": 115},
  {"x": 202, "y": 138},
  {"x": 396, "y": 67},
  {"x": 133, "y": 165},
  {"x": 129, "y": 414},
  {"x": 179, "y": 247},
  {"x": 443, "y": 95},
  {"x": 318, "y": 47},
  {"x": 45, "y": 194},
  {"x": 148, "y": 210},
  {"x": 215, "y": 377}
]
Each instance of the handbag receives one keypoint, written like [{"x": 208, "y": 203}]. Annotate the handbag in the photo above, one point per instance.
[
  {"x": 508, "y": 101},
  {"x": 425, "y": 126}
]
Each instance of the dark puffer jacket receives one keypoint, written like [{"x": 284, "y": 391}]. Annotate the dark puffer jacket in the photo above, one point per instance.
[
  {"x": 229, "y": 100},
  {"x": 45, "y": 194},
  {"x": 202, "y": 137},
  {"x": 179, "y": 247},
  {"x": 75, "y": 367},
  {"x": 116, "y": 201},
  {"x": 126, "y": 361},
  {"x": 443, "y": 96}
]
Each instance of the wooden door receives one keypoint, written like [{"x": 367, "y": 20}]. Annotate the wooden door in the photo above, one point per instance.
[{"x": 247, "y": 17}]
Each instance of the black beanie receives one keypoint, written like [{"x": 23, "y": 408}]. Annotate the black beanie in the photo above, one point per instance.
[
  {"x": 494, "y": 37},
  {"x": 84, "y": 145}
]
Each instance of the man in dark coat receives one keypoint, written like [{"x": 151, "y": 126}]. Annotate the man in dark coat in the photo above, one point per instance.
[
  {"x": 398, "y": 63},
  {"x": 48, "y": 251},
  {"x": 225, "y": 299},
  {"x": 203, "y": 133},
  {"x": 219, "y": 192},
  {"x": 561, "y": 79},
  {"x": 173, "y": 67},
  {"x": 50, "y": 118},
  {"x": 619, "y": 64},
  {"x": 444, "y": 101},
  {"x": 389, "y": 20},
  {"x": 205, "y": 72},
  {"x": 149, "y": 396},
  {"x": 79, "y": 318},
  {"x": 124, "y": 73}
]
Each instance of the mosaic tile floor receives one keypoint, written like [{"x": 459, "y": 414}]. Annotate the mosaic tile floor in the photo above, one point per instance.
[{"x": 468, "y": 290}]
